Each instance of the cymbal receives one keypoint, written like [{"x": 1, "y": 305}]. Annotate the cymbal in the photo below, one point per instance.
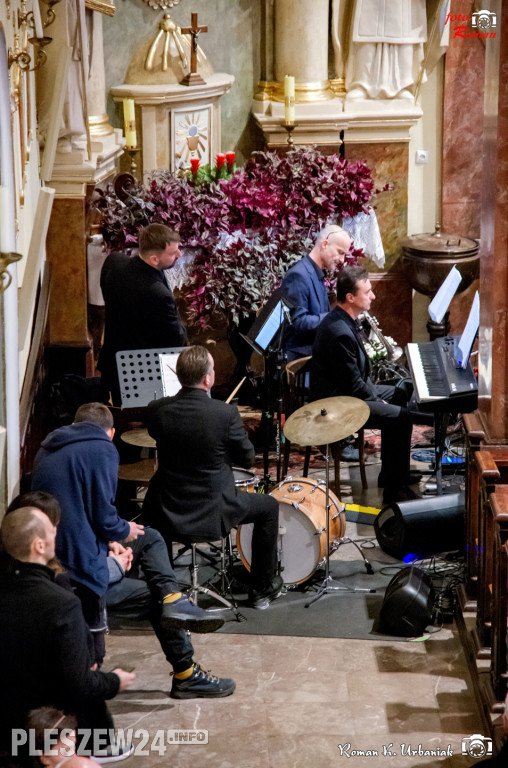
[
  {"x": 139, "y": 437},
  {"x": 326, "y": 421}
]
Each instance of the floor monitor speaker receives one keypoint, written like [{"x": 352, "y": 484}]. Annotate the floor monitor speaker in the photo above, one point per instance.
[
  {"x": 408, "y": 604},
  {"x": 422, "y": 527}
]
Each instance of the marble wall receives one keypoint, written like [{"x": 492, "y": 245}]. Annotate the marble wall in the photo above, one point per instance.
[
  {"x": 462, "y": 131},
  {"x": 231, "y": 45},
  {"x": 388, "y": 162},
  {"x": 493, "y": 336}
]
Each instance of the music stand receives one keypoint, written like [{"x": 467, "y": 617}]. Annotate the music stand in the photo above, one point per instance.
[
  {"x": 139, "y": 375},
  {"x": 266, "y": 337}
]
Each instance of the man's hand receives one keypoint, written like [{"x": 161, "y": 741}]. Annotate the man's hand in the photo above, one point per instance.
[
  {"x": 115, "y": 548},
  {"x": 135, "y": 531},
  {"x": 126, "y": 678},
  {"x": 123, "y": 558}
]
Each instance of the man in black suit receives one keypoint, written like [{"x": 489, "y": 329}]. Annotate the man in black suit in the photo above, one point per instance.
[
  {"x": 193, "y": 492},
  {"x": 340, "y": 366},
  {"x": 140, "y": 308}
]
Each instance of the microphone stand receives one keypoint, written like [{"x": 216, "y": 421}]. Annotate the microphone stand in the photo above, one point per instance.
[{"x": 275, "y": 366}]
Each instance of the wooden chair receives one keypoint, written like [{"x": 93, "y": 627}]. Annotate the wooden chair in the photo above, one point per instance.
[{"x": 296, "y": 395}]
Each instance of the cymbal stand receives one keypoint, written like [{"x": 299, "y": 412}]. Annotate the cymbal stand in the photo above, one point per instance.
[{"x": 328, "y": 584}]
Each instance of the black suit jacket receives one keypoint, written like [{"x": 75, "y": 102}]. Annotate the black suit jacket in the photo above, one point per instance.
[
  {"x": 44, "y": 655},
  {"x": 140, "y": 310},
  {"x": 340, "y": 365},
  {"x": 198, "y": 440}
]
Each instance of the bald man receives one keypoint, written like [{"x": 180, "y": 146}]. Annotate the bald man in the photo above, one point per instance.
[
  {"x": 44, "y": 652},
  {"x": 304, "y": 286}
]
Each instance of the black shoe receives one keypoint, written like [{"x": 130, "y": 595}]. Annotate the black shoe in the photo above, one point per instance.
[
  {"x": 402, "y": 493},
  {"x": 261, "y": 599},
  {"x": 182, "y": 614},
  {"x": 414, "y": 478},
  {"x": 201, "y": 685}
]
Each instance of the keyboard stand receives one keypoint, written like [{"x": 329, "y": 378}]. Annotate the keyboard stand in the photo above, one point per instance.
[{"x": 441, "y": 420}]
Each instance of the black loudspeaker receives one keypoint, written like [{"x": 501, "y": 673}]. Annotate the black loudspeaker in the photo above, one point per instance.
[
  {"x": 421, "y": 527},
  {"x": 407, "y": 605}
]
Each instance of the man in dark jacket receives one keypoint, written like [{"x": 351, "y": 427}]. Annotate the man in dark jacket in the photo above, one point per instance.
[
  {"x": 193, "y": 492},
  {"x": 304, "y": 285},
  {"x": 140, "y": 308},
  {"x": 78, "y": 465},
  {"x": 44, "y": 656},
  {"x": 340, "y": 366}
]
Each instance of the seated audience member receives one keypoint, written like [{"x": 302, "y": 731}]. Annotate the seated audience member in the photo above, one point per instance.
[
  {"x": 193, "y": 492},
  {"x": 78, "y": 464},
  {"x": 135, "y": 598},
  {"x": 44, "y": 652},
  {"x": 55, "y": 736}
]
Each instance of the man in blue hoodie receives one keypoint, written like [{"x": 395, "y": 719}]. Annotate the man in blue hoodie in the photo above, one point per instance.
[{"x": 78, "y": 464}]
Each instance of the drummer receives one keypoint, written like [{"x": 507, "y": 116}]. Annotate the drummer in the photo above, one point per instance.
[{"x": 193, "y": 492}]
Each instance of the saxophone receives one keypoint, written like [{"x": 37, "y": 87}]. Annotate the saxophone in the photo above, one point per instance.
[
  {"x": 385, "y": 371},
  {"x": 392, "y": 352}
]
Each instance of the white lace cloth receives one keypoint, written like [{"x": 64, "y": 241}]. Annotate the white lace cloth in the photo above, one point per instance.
[{"x": 363, "y": 230}]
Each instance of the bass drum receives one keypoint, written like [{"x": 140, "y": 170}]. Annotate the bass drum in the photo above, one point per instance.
[{"x": 302, "y": 534}]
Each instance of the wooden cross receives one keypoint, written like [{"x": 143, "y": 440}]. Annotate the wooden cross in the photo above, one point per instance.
[{"x": 192, "y": 77}]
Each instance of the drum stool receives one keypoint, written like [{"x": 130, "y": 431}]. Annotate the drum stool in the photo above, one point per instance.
[{"x": 196, "y": 588}]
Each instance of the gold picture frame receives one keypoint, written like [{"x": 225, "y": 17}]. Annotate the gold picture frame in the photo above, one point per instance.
[{"x": 102, "y": 6}]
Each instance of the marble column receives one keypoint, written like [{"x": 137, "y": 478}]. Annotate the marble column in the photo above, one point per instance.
[
  {"x": 493, "y": 333},
  {"x": 301, "y": 40}
]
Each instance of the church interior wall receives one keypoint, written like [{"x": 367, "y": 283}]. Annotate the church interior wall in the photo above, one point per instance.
[
  {"x": 231, "y": 44},
  {"x": 424, "y": 203}
]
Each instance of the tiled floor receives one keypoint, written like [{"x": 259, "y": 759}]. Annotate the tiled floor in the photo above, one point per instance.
[{"x": 307, "y": 701}]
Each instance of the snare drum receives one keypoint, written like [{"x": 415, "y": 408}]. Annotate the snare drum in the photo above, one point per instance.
[
  {"x": 245, "y": 480},
  {"x": 302, "y": 534}
]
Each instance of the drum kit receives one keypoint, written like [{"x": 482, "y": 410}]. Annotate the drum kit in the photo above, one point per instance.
[{"x": 311, "y": 517}]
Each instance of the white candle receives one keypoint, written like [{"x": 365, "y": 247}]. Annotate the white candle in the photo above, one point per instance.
[
  {"x": 289, "y": 99},
  {"x": 129, "y": 118},
  {"x": 39, "y": 32}
]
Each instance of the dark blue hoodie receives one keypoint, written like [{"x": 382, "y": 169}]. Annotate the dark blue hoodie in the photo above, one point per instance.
[{"x": 79, "y": 465}]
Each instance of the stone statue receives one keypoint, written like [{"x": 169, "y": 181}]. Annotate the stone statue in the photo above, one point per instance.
[
  {"x": 378, "y": 45},
  {"x": 73, "y": 131}
]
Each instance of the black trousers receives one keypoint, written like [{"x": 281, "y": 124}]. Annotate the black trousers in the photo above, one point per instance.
[
  {"x": 94, "y": 611},
  {"x": 263, "y": 511},
  {"x": 396, "y": 424},
  {"x": 138, "y": 596}
]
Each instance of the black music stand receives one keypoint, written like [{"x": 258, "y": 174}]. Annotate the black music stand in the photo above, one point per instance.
[
  {"x": 266, "y": 337},
  {"x": 139, "y": 375}
]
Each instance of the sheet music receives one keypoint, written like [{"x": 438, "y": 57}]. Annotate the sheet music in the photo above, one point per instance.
[
  {"x": 445, "y": 294},
  {"x": 271, "y": 326},
  {"x": 170, "y": 383},
  {"x": 467, "y": 338}
]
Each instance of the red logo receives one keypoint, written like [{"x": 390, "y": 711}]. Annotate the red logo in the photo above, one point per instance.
[{"x": 482, "y": 23}]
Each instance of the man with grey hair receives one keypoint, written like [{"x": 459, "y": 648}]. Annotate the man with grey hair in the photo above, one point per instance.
[{"x": 304, "y": 286}]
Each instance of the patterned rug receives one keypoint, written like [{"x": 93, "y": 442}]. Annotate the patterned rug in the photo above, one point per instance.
[{"x": 422, "y": 435}]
